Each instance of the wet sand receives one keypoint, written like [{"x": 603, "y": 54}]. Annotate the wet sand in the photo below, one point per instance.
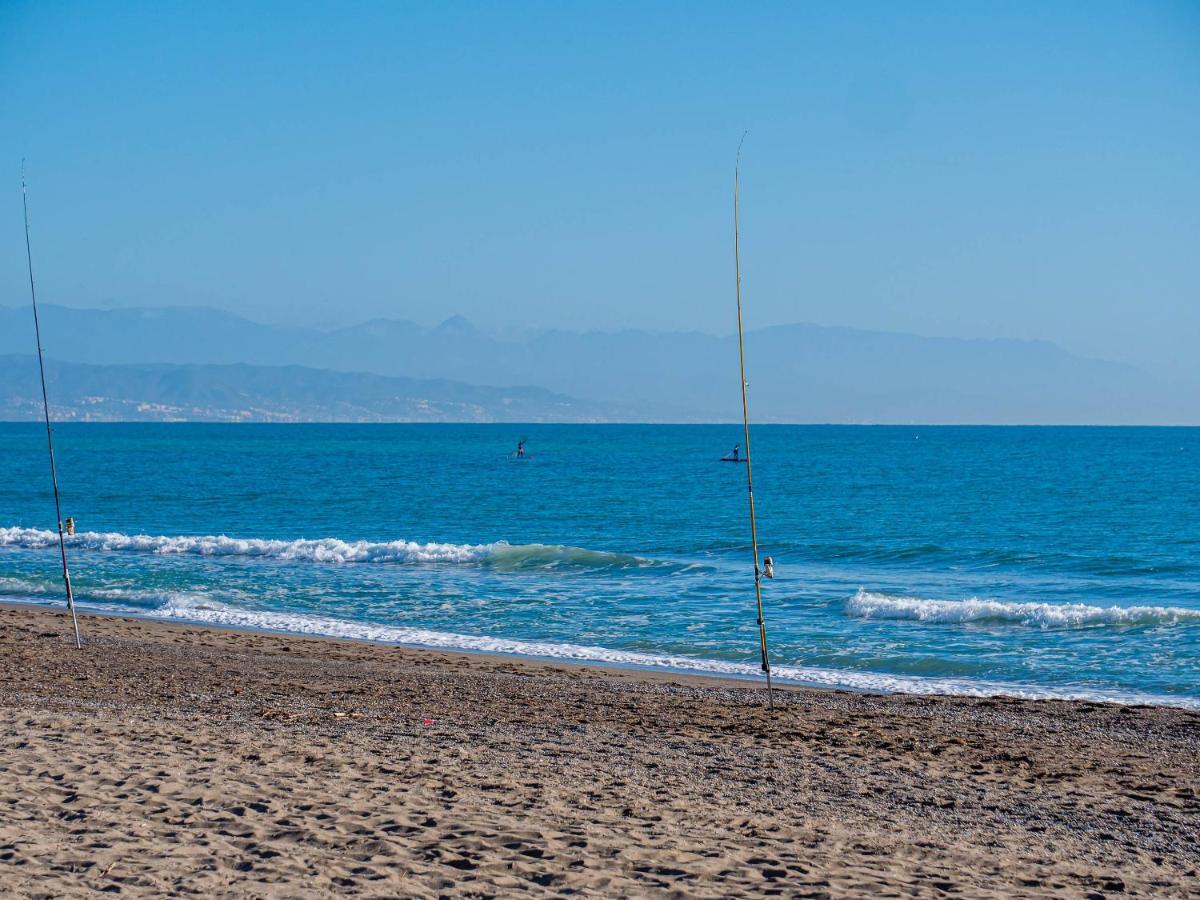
[{"x": 169, "y": 759}]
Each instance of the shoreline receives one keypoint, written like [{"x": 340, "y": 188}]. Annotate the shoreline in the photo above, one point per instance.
[
  {"x": 171, "y": 758},
  {"x": 615, "y": 670},
  {"x": 828, "y": 680},
  {"x": 648, "y": 674}
]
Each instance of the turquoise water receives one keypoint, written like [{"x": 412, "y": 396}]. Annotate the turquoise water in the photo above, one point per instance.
[{"x": 1030, "y": 561}]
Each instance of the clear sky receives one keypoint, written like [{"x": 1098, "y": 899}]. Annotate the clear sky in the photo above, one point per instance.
[{"x": 966, "y": 169}]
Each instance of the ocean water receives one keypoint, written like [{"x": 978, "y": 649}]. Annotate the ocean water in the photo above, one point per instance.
[{"x": 1039, "y": 562}]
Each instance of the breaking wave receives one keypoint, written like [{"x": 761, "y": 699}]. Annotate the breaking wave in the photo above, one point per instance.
[
  {"x": 870, "y": 605},
  {"x": 500, "y": 555}
]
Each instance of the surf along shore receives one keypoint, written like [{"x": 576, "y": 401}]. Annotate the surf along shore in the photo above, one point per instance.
[{"x": 166, "y": 758}]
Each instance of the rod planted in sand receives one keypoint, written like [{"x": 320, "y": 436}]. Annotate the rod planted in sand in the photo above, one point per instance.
[
  {"x": 737, "y": 267},
  {"x": 37, "y": 330}
]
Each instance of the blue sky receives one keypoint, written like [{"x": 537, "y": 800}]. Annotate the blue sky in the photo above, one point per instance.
[{"x": 965, "y": 169}]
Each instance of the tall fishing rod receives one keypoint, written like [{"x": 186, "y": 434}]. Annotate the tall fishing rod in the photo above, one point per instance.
[
  {"x": 37, "y": 330},
  {"x": 758, "y": 573}
]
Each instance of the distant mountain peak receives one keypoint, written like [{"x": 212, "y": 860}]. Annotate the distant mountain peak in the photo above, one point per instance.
[{"x": 456, "y": 326}]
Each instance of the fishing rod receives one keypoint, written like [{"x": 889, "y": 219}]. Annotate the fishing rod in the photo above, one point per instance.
[
  {"x": 37, "y": 330},
  {"x": 767, "y": 564}
]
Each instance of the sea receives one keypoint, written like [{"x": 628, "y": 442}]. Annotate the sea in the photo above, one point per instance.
[{"x": 1036, "y": 562}]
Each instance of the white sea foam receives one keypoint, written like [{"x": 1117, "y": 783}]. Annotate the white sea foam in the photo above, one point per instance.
[
  {"x": 208, "y": 609},
  {"x": 204, "y": 609},
  {"x": 500, "y": 554},
  {"x": 871, "y": 605},
  {"x": 20, "y": 587},
  {"x": 325, "y": 550}
]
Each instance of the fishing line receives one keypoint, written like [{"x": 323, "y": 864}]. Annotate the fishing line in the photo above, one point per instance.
[
  {"x": 758, "y": 574},
  {"x": 37, "y": 330}
]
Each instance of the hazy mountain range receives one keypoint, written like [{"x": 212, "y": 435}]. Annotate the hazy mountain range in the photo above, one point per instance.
[{"x": 205, "y": 364}]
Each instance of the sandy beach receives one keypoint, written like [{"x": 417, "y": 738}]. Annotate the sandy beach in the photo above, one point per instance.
[{"x": 167, "y": 759}]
